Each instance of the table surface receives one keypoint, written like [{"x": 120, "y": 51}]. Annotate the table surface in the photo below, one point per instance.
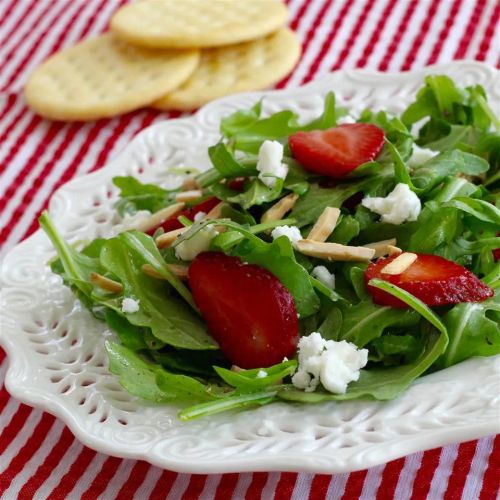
[{"x": 39, "y": 457}]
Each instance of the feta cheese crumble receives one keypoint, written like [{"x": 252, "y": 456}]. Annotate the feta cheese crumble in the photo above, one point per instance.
[
  {"x": 399, "y": 206},
  {"x": 334, "y": 364},
  {"x": 420, "y": 156},
  {"x": 261, "y": 374},
  {"x": 346, "y": 119},
  {"x": 269, "y": 163},
  {"x": 199, "y": 242},
  {"x": 199, "y": 216},
  {"x": 321, "y": 273},
  {"x": 130, "y": 305},
  {"x": 291, "y": 232}
]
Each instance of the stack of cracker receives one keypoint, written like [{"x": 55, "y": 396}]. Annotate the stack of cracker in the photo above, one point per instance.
[{"x": 168, "y": 54}]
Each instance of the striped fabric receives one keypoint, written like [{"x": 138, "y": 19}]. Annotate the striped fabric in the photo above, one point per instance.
[{"x": 39, "y": 458}]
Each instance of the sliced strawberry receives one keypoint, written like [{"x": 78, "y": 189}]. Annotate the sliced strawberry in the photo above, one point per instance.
[
  {"x": 337, "y": 151},
  {"x": 248, "y": 310},
  {"x": 237, "y": 184},
  {"x": 496, "y": 254},
  {"x": 173, "y": 222},
  {"x": 432, "y": 279}
]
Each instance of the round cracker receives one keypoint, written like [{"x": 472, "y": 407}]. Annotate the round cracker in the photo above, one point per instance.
[
  {"x": 197, "y": 23},
  {"x": 237, "y": 68},
  {"x": 104, "y": 76}
]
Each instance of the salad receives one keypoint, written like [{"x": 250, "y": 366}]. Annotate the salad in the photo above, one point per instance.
[{"x": 338, "y": 259}]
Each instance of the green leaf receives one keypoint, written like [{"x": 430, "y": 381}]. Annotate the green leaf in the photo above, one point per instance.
[
  {"x": 131, "y": 336},
  {"x": 136, "y": 196},
  {"x": 257, "y": 194},
  {"x": 479, "y": 209}
]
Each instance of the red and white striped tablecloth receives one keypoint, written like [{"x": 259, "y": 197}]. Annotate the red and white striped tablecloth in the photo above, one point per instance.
[{"x": 39, "y": 457}]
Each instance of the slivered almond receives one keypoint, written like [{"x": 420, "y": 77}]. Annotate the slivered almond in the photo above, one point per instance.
[
  {"x": 194, "y": 194},
  {"x": 236, "y": 369},
  {"x": 216, "y": 212},
  {"x": 334, "y": 251},
  {"x": 105, "y": 283},
  {"x": 325, "y": 224},
  {"x": 166, "y": 239},
  {"x": 190, "y": 183},
  {"x": 400, "y": 264},
  {"x": 158, "y": 217},
  {"x": 278, "y": 210},
  {"x": 384, "y": 247},
  {"x": 176, "y": 269}
]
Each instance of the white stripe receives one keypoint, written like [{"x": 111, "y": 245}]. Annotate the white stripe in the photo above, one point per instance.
[
  {"x": 179, "y": 487},
  {"x": 208, "y": 492},
  {"x": 302, "y": 486},
  {"x": 337, "y": 486},
  {"x": 407, "y": 476},
  {"x": 20, "y": 440},
  {"x": 366, "y": 31},
  {"x": 242, "y": 485},
  {"x": 147, "y": 486},
  {"x": 31, "y": 466},
  {"x": 293, "y": 8},
  {"x": 372, "y": 482},
  {"x": 8, "y": 412},
  {"x": 316, "y": 43},
  {"x": 456, "y": 32},
  {"x": 121, "y": 475},
  {"x": 83, "y": 484},
  {"x": 439, "y": 482},
  {"x": 474, "y": 482},
  {"x": 412, "y": 30},
  {"x": 67, "y": 460},
  {"x": 480, "y": 30},
  {"x": 270, "y": 486}
]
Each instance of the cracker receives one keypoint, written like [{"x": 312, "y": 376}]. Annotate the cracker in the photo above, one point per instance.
[
  {"x": 103, "y": 77},
  {"x": 197, "y": 23},
  {"x": 237, "y": 68}
]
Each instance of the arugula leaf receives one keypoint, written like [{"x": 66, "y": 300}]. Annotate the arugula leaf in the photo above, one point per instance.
[
  {"x": 135, "y": 196},
  {"x": 130, "y": 335},
  {"x": 169, "y": 318},
  {"x": 196, "y": 362},
  {"x": 394, "y": 349},
  {"x": 473, "y": 330},
  {"x": 257, "y": 194},
  {"x": 479, "y": 209}
]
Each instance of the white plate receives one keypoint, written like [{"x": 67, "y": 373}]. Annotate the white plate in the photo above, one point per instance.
[{"x": 57, "y": 360}]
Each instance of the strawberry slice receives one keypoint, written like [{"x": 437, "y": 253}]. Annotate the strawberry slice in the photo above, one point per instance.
[
  {"x": 432, "y": 279},
  {"x": 337, "y": 151},
  {"x": 248, "y": 310},
  {"x": 173, "y": 222}
]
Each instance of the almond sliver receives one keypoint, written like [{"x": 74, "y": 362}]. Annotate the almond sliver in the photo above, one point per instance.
[
  {"x": 278, "y": 210},
  {"x": 400, "y": 264},
  {"x": 325, "y": 224},
  {"x": 194, "y": 194},
  {"x": 105, "y": 283},
  {"x": 166, "y": 239},
  {"x": 334, "y": 251},
  {"x": 216, "y": 212},
  {"x": 384, "y": 247},
  {"x": 158, "y": 217}
]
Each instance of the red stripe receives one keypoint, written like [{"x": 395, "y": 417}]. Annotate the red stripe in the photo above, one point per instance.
[
  {"x": 163, "y": 485},
  {"x": 319, "y": 486},
  {"x": 469, "y": 31},
  {"x": 135, "y": 479},
  {"x": 354, "y": 485},
  {"x": 349, "y": 44},
  {"x": 372, "y": 42},
  {"x": 445, "y": 31},
  {"x": 4, "y": 398},
  {"x": 8, "y": 104},
  {"x": 325, "y": 47},
  {"x": 461, "y": 468},
  {"x": 419, "y": 37},
  {"x": 488, "y": 34},
  {"x": 285, "y": 486},
  {"x": 390, "y": 478},
  {"x": 102, "y": 479},
  {"x": 45, "y": 469},
  {"x": 259, "y": 480},
  {"x": 32, "y": 444},
  {"x": 300, "y": 14},
  {"x": 8, "y": 11},
  {"x": 15, "y": 425},
  {"x": 226, "y": 486},
  {"x": 75, "y": 472},
  {"x": 423, "y": 478},
  {"x": 491, "y": 477},
  {"x": 195, "y": 487},
  {"x": 398, "y": 35}
]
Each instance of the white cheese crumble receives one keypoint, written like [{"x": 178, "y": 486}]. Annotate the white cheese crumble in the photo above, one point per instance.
[
  {"x": 420, "y": 156},
  {"x": 199, "y": 242},
  {"x": 199, "y": 216},
  {"x": 399, "y": 206},
  {"x": 334, "y": 364},
  {"x": 321, "y": 273},
  {"x": 130, "y": 305},
  {"x": 261, "y": 374},
  {"x": 269, "y": 163},
  {"x": 346, "y": 119},
  {"x": 291, "y": 232}
]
